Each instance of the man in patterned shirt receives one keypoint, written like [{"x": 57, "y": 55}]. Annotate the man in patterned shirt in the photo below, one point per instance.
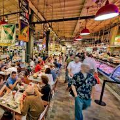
[{"x": 81, "y": 85}]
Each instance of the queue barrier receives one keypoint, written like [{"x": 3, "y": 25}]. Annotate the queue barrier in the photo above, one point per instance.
[{"x": 100, "y": 102}]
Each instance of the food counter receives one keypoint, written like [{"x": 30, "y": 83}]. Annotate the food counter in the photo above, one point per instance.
[
  {"x": 114, "y": 60},
  {"x": 110, "y": 73}
]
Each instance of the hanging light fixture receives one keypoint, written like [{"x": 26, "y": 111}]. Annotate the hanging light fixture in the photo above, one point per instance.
[
  {"x": 2, "y": 22},
  {"x": 107, "y": 11},
  {"x": 85, "y": 31},
  {"x": 78, "y": 38}
]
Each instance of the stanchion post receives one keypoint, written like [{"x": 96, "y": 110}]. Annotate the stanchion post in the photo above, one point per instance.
[{"x": 100, "y": 102}]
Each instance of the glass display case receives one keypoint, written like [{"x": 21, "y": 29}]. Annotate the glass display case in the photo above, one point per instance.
[
  {"x": 116, "y": 74},
  {"x": 104, "y": 68}
]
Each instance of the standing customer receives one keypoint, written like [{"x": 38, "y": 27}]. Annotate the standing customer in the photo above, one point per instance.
[
  {"x": 81, "y": 85},
  {"x": 32, "y": 63},
  {"x": 91, "y": 61},
  {"x": 74, "y": 66},
  {"x": 68, "y": 60}
]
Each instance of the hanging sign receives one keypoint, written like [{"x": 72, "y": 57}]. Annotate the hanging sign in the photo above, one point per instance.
[
  {"x": 7, "y": 34},
  {"x": 24, "y": 21}
]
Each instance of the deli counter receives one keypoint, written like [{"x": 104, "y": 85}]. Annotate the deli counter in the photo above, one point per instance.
[{"x": 109, "y": 72}]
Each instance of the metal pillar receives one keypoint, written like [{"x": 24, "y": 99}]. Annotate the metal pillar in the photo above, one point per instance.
[
  {"x": 29, "y": 45},
  {"x": 47, "y": 40}
]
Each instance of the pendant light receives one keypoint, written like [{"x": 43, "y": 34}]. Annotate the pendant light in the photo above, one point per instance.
[
  {"x": 3, "y": 22},
  {"x": 107, "y": 11},
  {"x": 85, "y": 31},
  {"x": 78, "y": 38}
]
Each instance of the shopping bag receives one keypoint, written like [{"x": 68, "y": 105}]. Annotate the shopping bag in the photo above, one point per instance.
[{"x": 97, "y": 78}]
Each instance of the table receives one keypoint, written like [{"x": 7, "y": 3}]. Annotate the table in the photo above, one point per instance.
[
  {"x": 17, "y": 110},
  {"x": 33, "y": 79},
  {"x": 7, "y": 99},
  {"x": 4, "y": 74},
  {"x": 16, "y": 60}
]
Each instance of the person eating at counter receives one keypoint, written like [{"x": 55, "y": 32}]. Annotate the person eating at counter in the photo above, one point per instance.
[
  {"x": 31, "y": 104},
  {"x": 50, "y": 77},
  {"x": 41, "y": 61},
  {"x": 37, "y": 67},
  {"x": 45, "y": 90},
  {"x": 11, "y": 83},
  {"x": 2, "y": 65}
]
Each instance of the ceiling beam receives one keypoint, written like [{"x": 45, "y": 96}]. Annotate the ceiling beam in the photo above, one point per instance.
[
  {"x": 65, "y": 19},
  {"x": 13, "y": 13},
  {"x": 50, "y": 2},
  {"x": 36, "y": 11}
]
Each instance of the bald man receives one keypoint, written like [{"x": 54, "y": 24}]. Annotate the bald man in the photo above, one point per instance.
[{"x": 81, "y": 85}]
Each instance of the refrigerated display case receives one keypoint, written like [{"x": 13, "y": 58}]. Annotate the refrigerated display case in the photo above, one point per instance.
[
  {"x": 104, "y": 68},
  {"x": 111, "y": 73},
  {"x": 116, "y": 74}
]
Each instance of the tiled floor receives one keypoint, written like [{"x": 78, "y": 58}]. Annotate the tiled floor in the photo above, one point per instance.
[{"x": 62, "y": 105}]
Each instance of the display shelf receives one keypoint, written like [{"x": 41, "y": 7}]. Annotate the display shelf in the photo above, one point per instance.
[
  {"x": 107, "y": 72},
  {"x": 107, "y": 63},
  {"x": 113, "y": 73}
]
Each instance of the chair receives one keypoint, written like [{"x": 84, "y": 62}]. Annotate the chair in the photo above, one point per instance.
[{"x": 42, "y": 116}]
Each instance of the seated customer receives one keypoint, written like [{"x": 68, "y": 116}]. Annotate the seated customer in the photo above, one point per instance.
[
  {"x": 10, "y": 84},
  {"x": 25, "y": 79},
  {"x": 57, "y": 70},
  {"x": 2, "y": 85},
  {"x": 38, "y": 67},
  {"x": 1, "y": 82},
  {"x": 46, "y": 90},
  {"x": 12, "y": 81},
  {"x": 53, "y": 72},
  {"x": 31, "y": 105},
  {"x": 2, "y": 65},
  {"x": 41, "y": 61},
  {"x": 49, "y": 75},
  {"x": 18, "y": 67},
  {"x": 12, "y": 68}
]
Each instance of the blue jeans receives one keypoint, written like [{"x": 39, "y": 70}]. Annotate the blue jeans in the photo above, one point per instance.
[{"x": 81, "y": 104}]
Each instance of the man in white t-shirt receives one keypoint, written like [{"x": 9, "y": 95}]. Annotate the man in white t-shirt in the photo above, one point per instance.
[
  {"x": 32, "y": 63},
  {"x": 91, "y": 62},
  {"x": 74, "y": 67}
]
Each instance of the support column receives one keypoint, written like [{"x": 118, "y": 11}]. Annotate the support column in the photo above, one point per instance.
[
  {"x": 29, "y": 45},
  {"x": 47, "y": 40}
]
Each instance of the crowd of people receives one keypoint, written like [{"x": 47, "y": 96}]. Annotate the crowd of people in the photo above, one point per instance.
[
  {"x": 36, "y": 95},
  {"x": 80, "y": 75}
]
